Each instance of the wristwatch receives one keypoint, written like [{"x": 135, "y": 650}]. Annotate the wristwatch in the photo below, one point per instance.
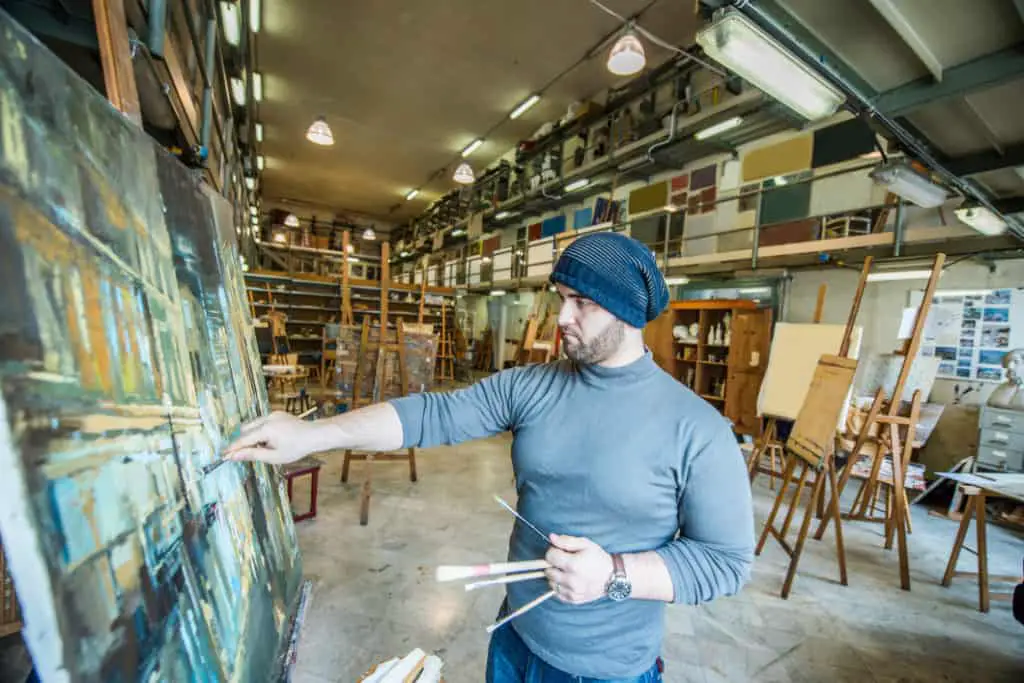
[{"x": 619, "y": 587}]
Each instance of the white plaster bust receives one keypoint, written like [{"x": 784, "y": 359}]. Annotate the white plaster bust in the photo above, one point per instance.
[{"x": 1010, "y": 394}]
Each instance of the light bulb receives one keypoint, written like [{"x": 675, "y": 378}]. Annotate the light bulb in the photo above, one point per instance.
[
  {"x": 627, "y": 55},
  {"x": 319, "y": 133},
  {"x": 464, "y": 174}
]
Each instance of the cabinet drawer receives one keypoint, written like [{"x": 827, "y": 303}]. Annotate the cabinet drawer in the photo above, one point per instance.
[
  {"x": 1003, "y": 420},
  {"x": 1001, "y": 458},
  {"x": 1000, "y": 438}
]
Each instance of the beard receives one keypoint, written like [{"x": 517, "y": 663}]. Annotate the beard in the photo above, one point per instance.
[{"x": 595, "y": 350}]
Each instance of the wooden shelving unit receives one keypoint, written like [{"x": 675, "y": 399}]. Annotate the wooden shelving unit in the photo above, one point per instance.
[
  {"x": 310, "y": 302},
  {"x": 726, "y": 375}
]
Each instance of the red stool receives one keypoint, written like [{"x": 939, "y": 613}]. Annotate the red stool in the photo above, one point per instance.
[{"x": 306, "y": 466}]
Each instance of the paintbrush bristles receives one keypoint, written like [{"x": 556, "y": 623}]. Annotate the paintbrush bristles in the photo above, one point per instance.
[{"x": 456, "y": 572}]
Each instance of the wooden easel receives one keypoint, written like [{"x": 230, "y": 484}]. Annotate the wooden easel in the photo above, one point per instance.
[
  {"x": 885, "y": 415},
  {"x": 769, "y": 441},
  {"x": 537, "y": 344},
  {"x": 445, "y": 349},
  {"x": 811, "y": 445},
  {"x": 379, "y": 347}
]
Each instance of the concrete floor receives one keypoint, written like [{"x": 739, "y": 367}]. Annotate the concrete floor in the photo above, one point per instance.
[{"x": 374, "y": 595}]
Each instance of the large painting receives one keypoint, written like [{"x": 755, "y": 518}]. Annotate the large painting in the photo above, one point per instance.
[{"x": 126, "y": 363}]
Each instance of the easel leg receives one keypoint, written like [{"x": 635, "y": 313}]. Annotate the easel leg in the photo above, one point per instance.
[
  {"x": 899, "y": 499},
  {"x": 364, "y": 504},
  {"x": 837, "y": 520},
  {"x": 344, "y": 466},
  {"x": 979, "y": 531},
  {"x": 961, "y": 534},
  {"x": 796, "y": 500},
  {"x": 412, "y": 465},
  {"x": 778, "y": 503},
  {"x": 819, "y": 486},
  {"x": 760, "y": 446}
]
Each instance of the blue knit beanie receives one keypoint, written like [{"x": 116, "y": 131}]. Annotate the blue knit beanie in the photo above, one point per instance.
[{"x": 618, "y": 273}]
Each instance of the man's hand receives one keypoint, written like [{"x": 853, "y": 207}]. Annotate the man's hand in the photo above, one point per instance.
[
  {"x": 580, "y": 569},
  {"x": 276, "y": 439}
]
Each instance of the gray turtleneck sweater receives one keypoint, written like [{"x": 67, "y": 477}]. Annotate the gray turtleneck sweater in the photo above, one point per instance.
[{"x": 627, "y": 457}]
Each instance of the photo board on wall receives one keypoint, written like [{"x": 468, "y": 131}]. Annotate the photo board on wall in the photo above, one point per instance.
[{"x": 971, "y": 331}]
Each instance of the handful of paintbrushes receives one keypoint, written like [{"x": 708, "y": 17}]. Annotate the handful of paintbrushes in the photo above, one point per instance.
[{"x": 512, "y": 572}]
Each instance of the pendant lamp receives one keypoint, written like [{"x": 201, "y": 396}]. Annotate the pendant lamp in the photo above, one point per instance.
[{"x": 319, "y": 133}]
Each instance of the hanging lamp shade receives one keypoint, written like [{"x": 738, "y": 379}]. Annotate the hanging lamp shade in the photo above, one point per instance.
[
  {"x": 291, "y": 220},
  {"x": 627, "y": 56},
  {"x": 319, "y": 133},
  {"x": 369, "y": 234},
  {"x": 464, "y": 174}
]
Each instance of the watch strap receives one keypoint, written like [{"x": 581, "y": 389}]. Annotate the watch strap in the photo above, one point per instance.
[{"x": 619, "y": 565}]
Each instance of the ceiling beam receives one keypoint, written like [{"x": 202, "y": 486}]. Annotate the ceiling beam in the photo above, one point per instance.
[
  {"x": 982, "y": 162},
  {"x": 1010, "y": 205},
  {"x": 904, "y": 27},
  {"x": 984, "y": 72}
]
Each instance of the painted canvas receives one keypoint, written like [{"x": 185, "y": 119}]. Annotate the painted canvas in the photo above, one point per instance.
[{"x": 126, "y": 362}]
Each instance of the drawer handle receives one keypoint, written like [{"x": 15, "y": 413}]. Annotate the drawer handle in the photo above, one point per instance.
[
  {"x": 1000, "y": 437},
  {"x": 1002, "y": 419}
]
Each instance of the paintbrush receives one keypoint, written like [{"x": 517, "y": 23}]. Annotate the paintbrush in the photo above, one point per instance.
[
  {"x": 456, "y": 572},
  {"x": 511, "y": 578},
  {"x": 522, "y": 519},
  {"x": 521, "y": 611}
]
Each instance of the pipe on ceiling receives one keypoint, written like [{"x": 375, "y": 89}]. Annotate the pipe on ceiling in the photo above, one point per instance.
[{"x": 863, "y": 105}]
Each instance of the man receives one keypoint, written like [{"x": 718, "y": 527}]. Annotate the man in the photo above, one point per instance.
[{"x": 639, "y": 482}]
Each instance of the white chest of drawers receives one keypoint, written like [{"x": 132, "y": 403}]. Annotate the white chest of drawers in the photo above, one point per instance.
[{"x": 1001, "y": 439}]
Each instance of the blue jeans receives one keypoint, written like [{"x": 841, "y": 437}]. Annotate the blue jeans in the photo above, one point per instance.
[{"x": 510, "y": 661}]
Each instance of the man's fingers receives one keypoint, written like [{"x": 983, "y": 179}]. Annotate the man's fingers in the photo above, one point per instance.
[
  {"x": 555, "y": 576},
  {"x": 252, "y": 453},
  {"x": 572, "y": 544},
  {"x": 248, "y": 439},
  {"x": 558, "y": 558}
]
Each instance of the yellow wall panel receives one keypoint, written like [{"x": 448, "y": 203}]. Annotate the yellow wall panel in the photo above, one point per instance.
[{"x": 779, "y": 159}]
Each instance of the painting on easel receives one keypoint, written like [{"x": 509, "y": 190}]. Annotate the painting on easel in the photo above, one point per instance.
[{"x": 125, "y": 363}]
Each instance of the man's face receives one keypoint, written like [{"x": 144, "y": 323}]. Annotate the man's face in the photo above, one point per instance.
[{"x": 590, "y": 334}]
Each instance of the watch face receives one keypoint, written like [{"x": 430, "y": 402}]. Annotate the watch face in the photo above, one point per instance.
[{"x": 619, "y": 588}]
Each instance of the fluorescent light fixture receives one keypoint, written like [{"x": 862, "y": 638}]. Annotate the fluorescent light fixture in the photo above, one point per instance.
[
  {"x": 780, "y": 180},
  {"x": 577, "y": 184},
  {"x": 472, "y": 147},
  {"x": 255, "y": 220},
  {"x": 502, "y": 215},
  {"x": 963, "y": 292},
  {"x": 892, "y": 275},
  {"x": 291, "y": 220},
  {"x": 720, "y": 127},
  {"x": 250, "y": 183},
  {"x": 238, "y": 90},
  {"x": 260, "y": 162},
  {"x": 458, "y": 232},
  {"x": 257, "y": 86},
  {"x": 677, "y": 280},
  {"x": 736, "y": 43},
  {"x": 231, "y": 21},
  {"x": 982, "y": 220},
  {"x": 498, "y": 292},
  {"x": 253, "y": 210},
  {"x": 369, "y": 234},
  {"x": 319, "y": 133},
  {"x": 353, "y": 259},
  {"x": 259, "y": 132},
  {"x": 403, "y": 253},
  {"x": 411, "y": 195},
  {"x": 523, "y": 106},
  {"x": 627, "y": 55},
  {"x": 902, "y": 180},
  {"x": 464, "y": 174},
  {"x": 254, "y": 15},
  {"x": 279, "y": 237}
]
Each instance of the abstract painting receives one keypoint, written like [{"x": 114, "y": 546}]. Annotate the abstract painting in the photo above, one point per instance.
[{"x": 126, "y": 362}]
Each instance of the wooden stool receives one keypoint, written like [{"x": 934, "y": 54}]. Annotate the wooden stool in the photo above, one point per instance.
[
  {"x": 306, "y": 466},
  {"x": 297, "y": 403}
]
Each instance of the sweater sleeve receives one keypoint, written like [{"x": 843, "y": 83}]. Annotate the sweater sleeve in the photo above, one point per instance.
[
  {"x": 480, "y": 410},
  {"x": 713, "y": 553}
]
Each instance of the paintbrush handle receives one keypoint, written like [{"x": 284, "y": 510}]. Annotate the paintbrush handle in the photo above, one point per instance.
[
  {"x": 521, "y": 611},
  {"x": 511, "y": 578}
]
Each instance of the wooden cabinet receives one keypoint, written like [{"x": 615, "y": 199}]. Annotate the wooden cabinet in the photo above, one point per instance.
[{"x": 719, "y": 349}]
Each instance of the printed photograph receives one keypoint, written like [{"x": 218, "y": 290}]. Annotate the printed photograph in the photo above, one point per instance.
[
  {"x": 971, "y": 312},
  {"x": 964, "y": 362},
  {"x": 963, "y": 372},
  {"x": 967, "y": 342},
  {"x": 946, "y": 368},
  {"x": 997, "y": 315},
  {"x": 995, "y": 337},
  {"x": 990, "y": 374},
  {"x": 987, "y": 357},
  {"x": 946, "y": 352},
  {"x": 969, "y": 325},
  {"x": 999, "y": 297}
]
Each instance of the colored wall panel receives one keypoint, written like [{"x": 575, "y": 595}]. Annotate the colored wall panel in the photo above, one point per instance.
[
  {"x": 648, "y": 198},
  {"x": 779, "y": 159},
  {"x": 582, "y": 218},
  {"x": 736, "y": 240},
  {"x": 787, "y": 233},
  {"x": 552, "y": 226},
  {"x": 783, "y": 203},
  {"x": 703, "y": 177},
  {"x": 533, "y": 232},
  {"x": 647, "y": 230},
  {"x": 842, "y": 142},
  {"x": 844, "y": 193},
  {"x": 699, "y": 225}
]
